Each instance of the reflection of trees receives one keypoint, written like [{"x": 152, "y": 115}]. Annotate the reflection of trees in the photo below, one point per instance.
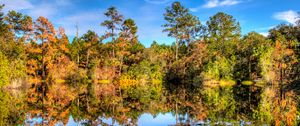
[
  {"x": 92, "y": 103},
  {"x": 277, "y": 110},
  {"x": 12, "y": 108}
]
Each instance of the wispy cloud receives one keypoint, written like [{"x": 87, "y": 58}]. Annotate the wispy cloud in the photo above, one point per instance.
[
  {"x": 219, "y": 3},
  {"x": 89, "y": 20},
  {"x": 216, "y": 3},
  {"x": 17, "y": 5},
  {"x": 265, "y": 28},
  {"x": 46, "y": 10},
  {"x": 157, "y": 1},
  {"x": 288, "y": 16},
  {"x": 63, "y": 2},
  {"x": 35, "y": 9}
]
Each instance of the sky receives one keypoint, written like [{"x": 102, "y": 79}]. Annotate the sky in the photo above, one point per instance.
[{"x": 253, "y": 15}]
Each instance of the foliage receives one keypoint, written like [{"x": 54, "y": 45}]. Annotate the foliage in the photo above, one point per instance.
[
  {"x": 215, "y": 73},
  {"x": 142, "y": 82},
  {"x": 4, "y": 70},
  {"x": 220, "y": 101},
  {"x": 181, "y": 24}
]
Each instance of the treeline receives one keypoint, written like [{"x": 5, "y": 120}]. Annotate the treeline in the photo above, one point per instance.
[{"x": 40, "y": 58}]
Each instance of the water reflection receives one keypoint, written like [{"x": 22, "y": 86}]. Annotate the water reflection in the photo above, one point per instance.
[{"x": 91, "y": 104}]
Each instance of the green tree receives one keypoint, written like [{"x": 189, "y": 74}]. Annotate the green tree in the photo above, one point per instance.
[
  {"x": 112, "y": 24},
  {"x": 89, "y": 42},
  {"x": 223, "y": 32},
  {"x": 129, "y": 30},
  {"x": 19, "y": 23},
  {"x": 249, "y": 50},
  {"x": 10, "y": 44},
  {"x": 115, "y": 19},
  {"x": 4, "y": 70},
  {"x": 180, "y": 24},
  {"x": 222, "y": 40}
]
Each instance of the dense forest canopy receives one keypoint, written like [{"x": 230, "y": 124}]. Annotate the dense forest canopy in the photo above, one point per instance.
[{"x": 210, "y": 71}]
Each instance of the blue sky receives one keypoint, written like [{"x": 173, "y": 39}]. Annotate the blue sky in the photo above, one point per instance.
[{"x": 253, "y": 15}]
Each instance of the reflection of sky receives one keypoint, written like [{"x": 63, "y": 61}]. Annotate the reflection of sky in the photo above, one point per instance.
[
  {"x": 71, "y": 122},
  {"x": 144, "y": 120},
  {"x": 32, "y": 121},
  {"x": 160, "y": 120}
]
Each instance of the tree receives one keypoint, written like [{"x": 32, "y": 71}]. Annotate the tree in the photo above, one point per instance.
[
  {"x": 279, "y": 64},
  {"x": 12, "y": 47},
  {"x": 45, "y": 34},
  {"x": 89, "y": 41},
  {"x": 4, "y": 71},
  {"x": 40, "y": 60},
  {"x": 129, "y": 30},
  {"x": 1, "y": 15},
  {"x": 252, "y": 46},
  {"x": 19, "y": 24},
  {"x": 223, "y": 30},
  {"x": 115, "y": 19},
  {"x": 6, "y": 36},
  {"x": 180, "y": 24},
  {"x": 222, "y": 40}
]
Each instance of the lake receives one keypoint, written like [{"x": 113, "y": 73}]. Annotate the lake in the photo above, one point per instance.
[{"x": 63, "y": 104}]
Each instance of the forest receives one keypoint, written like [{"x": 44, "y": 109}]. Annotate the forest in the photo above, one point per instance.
[{"x": 211, "y": 71}]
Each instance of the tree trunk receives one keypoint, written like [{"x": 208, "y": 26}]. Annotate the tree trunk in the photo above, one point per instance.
[
  {"x": 250, "y": 68},
  {"x": 176, "y": 53},
  {"x": 281, "y": 83},
  {"x": 43, "y": 62},
  {"x": 113, "y": 39},
  {"x": 87, "y": 59}
]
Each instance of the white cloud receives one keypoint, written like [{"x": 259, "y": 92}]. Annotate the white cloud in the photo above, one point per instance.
[
  {"x": 157, "y": 1},
  {"x": 216, "y": 3},
  {"x": 288, "y": 16},
  {"x": 211, "y": 4},
  {"x": 264, "y": 33},
  {"x": 229, "y": 2},
  {"x": 16, "y": 5},
  {"x": 219, "y": 3}
]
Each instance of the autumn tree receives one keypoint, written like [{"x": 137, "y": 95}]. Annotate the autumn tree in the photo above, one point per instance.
[
  {"x": 40, "y": 61},
  {"x": 181, "y": 24},
  {"x": 290, "y": 32},
  {"x": 279, "y": 63},
  {"x": 45, "y": 35},
  {"x": 61, "y": 59}
]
